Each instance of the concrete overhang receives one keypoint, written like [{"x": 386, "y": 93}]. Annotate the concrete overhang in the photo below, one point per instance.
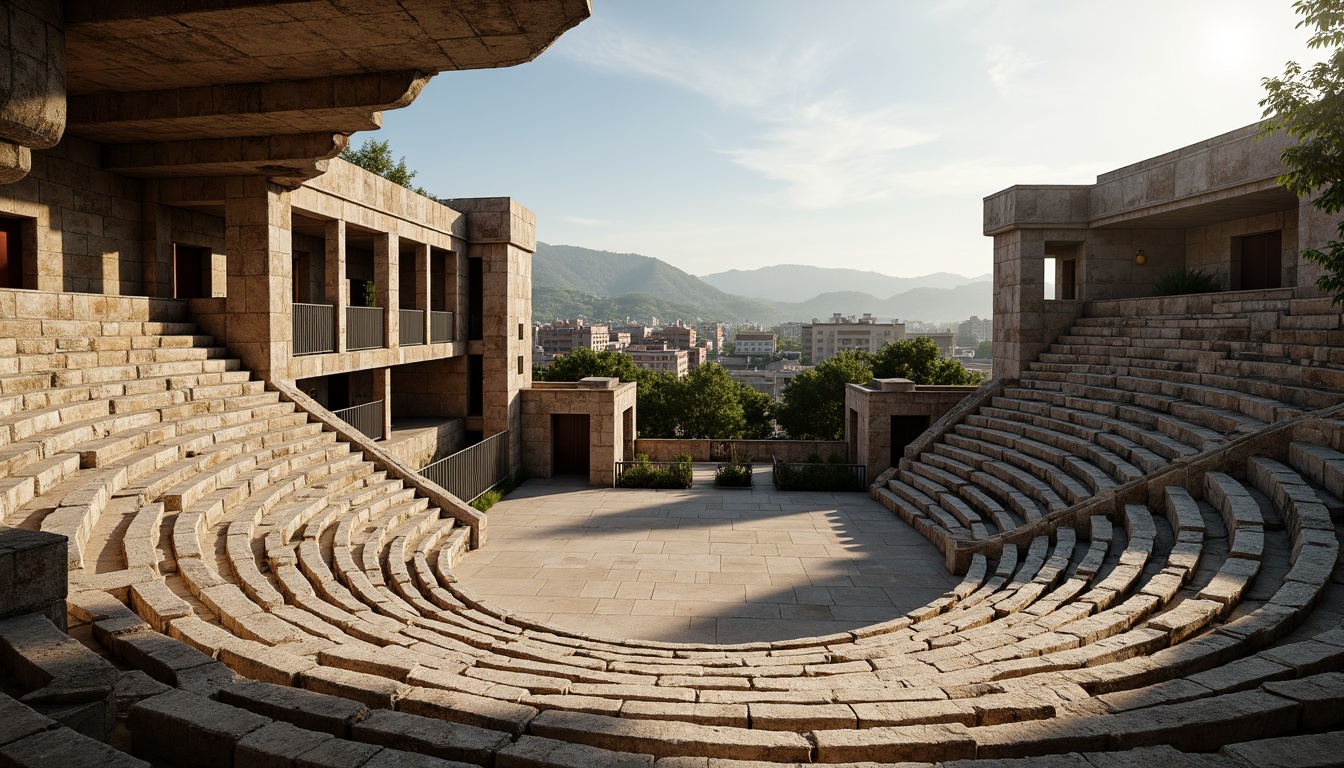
[{"x": 273, "y": 75}]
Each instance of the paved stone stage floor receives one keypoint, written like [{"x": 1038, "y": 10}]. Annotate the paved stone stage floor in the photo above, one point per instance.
[{"x": 701, "y": 565}]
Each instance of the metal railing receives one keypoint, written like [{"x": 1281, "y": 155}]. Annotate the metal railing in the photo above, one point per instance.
[
  {"x": 440, "y": 327},
  {"x": 411, "y": 327},
  {"x": 314, "y": 328},
  {"x": 364, "y": 328},
  {"x": 367, "y": 418},
  {"x": 817, "y": 476},
  {"x": 473, "y": 470}
]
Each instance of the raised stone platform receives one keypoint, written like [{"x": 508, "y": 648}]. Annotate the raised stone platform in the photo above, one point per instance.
[{"x": 701, "y": 565}]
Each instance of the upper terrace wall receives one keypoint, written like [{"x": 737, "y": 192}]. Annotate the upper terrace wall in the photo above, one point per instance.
[
  {"x": 87, "y": 233},
  {"x": 1114, "y": 239}
]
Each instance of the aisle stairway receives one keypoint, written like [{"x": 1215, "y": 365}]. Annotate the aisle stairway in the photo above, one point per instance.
[{"x": 288, "y": 603}]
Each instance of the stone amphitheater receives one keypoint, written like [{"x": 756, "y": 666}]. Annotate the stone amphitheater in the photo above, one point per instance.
[{"x": 204, "y": 567}]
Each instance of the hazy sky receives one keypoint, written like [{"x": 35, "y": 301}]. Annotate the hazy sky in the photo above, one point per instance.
[{"x": 740, "y": 133}]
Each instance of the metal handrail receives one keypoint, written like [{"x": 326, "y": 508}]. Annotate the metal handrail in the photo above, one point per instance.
[
  {"x": 411, "y": 327},
  {"x": 364, "y": 327},
  {"x": 314, "y": 328},
  {"x": 473, "y": 470},
  {"x": 367, "y": 418},
  {"x": 440, "y": 327}
]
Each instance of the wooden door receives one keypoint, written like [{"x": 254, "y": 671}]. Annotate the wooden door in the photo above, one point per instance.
[
  {"x": 1261, "y": 261},
  {"x": 569, "y": 444},
  {"x": 11, "y": 253},
  {"x": 904, "y": 431}
]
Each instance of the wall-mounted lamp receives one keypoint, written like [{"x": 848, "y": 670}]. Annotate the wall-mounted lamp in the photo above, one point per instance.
[{"x": 1139, "y": 258}]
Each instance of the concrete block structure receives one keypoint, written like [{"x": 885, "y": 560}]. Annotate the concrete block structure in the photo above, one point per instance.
[
  {"x": 581, "y": 428},
  {"x": 884, "y": 416},
  {"x": 1214, "y": 206}
]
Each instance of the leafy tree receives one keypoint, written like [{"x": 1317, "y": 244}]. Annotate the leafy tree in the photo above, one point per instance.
[
  {"x": 920, "y": 361},
  {"x": 758, "y": 409},
  {"x": 1308, "y": 105},
  {"x": 376, "y": 157},
  {"x": 658, "y": 404},
  {"x": 814, "y": 400},
  {"x": 710, "y": 404},
  {"x": 584, "y": 362},
  {"x": 966, "y": 339},
  {"x": 984, "y": 350}
]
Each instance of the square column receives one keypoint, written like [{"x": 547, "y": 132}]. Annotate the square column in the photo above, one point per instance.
[
  {"x": 382, "y": 390},
  {"x": 157, "y": 249},
  {"x": 386, "y": 262},
  {"x": 257, "y": 240},
  {"x": 337, "y": 288},
  {"x": 422, "y": 283}
]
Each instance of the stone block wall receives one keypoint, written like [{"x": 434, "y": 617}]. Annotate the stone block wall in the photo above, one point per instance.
[
  {"x": 606, "y": 407},
  {"x": 83, "y": 230},
  {"x": 430, "y": 444},
  {"x": 33, "y": 574},
  {"x": 869, "y": 408},
  {"x": 1206, "y": 248}
]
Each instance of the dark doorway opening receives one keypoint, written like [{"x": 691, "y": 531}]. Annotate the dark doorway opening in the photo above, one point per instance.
[
  {"x": 569, "y": 444},
  {"x": 475, "y": 298},
  {"x": 904, "y": 431},
  {"x": 338, "y": 391},
  {"x": 1262, "y": 261},
  {"x": 11, "y": 252},
  {"x": 1068, "y": 280},
  {"x": 189, "y": 271},
  {"x": 475, "y": 385}
]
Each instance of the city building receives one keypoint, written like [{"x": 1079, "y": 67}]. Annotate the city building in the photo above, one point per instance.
[
  {"x": 660, "y": 357},
  {"x": 824, "y": 340},
  {"x": 564, "y": 337},
  {"x": 680, "y": 336},
  {"x": 976, "y": 328},
  {"x": 754, "y": 343}
]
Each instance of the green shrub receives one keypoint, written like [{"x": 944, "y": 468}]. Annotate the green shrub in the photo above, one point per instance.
[
  {"x": 645, "y": 475},
  {"x": 487, "y": 500},
  {"x": 1182, "y": 281},
  {"x": 503, "y": 488},
  {"x": 815, "y": 476},
  {"x": 734, "y": 474}
]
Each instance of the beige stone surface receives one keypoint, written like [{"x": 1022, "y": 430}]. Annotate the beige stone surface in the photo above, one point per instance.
[{"x": 701, "y": 565}]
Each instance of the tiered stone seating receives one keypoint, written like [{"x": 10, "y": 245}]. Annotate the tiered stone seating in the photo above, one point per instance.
[{"x": 283, "y": 601}]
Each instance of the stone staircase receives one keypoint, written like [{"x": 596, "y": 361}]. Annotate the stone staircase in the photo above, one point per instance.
[{"x": 1151, "y": 578}]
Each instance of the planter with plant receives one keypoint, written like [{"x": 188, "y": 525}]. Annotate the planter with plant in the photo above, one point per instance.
[
  {"x": 1179, "y": 282},
  {"x": 734, "y": 474}
]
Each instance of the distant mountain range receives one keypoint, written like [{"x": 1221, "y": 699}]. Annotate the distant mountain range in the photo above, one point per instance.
[
  {"x": 570, "y": 281},
  {"x": 798, "y": 282}
]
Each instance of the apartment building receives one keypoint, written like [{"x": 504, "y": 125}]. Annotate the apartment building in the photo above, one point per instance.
[{"x": 754, "y": 343}]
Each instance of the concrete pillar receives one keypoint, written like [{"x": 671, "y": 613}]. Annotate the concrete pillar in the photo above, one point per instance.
[
  {"x": 32, "y": 83},
  {"x": 386, "y": 262},
  {"x": 456, "y": 286},
  {"x": 422, "y": 283},
  {"x": 502, "y": 234},
  {"x": 156, "y": 250},
  {"x": 1019, "y": 300},
  {"x": 337, "y": 288},
  {"x": 257, "y": 239},
  {"x": 382, "y": 390}
]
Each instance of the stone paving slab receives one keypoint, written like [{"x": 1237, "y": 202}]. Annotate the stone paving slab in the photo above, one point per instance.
[{"x": 701, "y": 565}]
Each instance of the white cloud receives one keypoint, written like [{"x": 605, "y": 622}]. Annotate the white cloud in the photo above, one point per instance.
[
  {"x": 828, "y": 156},
  {"x": 1004, "y": 65},
  {"x": 824, "y": 152}
]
